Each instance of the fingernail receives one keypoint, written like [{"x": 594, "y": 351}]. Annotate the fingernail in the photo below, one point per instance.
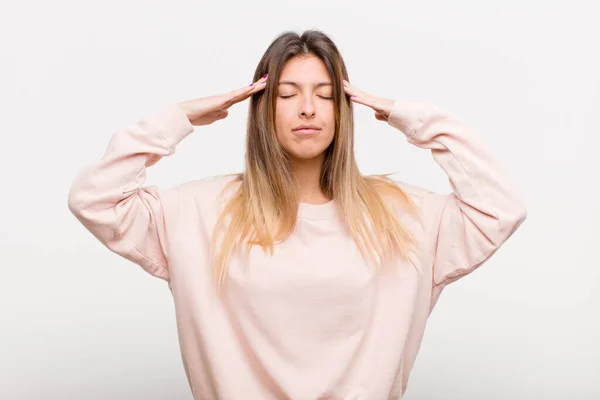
[
  {"x": 252, "y": 84},
  {"x": 265, "y": 76}
]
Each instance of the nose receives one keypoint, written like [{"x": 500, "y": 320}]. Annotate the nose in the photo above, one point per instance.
[{"x": 307, "y": 108}]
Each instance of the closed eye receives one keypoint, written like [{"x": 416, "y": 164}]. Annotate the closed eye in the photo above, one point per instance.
[{"x": 292, "y": 95}]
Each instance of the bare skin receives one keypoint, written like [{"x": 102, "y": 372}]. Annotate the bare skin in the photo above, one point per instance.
[
  {"x": 207, "y": 110},
  {"x": 382, "y": 107}
]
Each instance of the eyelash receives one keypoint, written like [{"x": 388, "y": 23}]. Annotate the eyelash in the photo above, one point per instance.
[{"x": 292, "y": 95}]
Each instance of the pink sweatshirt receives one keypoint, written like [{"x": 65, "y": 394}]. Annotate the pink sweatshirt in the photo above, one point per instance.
[{"x": 313, "y": 321}]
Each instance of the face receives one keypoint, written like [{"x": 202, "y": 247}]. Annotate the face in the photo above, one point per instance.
[{"x": 305, "y": 98}]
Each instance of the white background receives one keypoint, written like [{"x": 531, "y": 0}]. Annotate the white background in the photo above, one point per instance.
[{"x": 79, "y": 322}]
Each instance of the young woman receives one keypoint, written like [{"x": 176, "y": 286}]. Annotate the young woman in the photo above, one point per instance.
[{"x": 299, "y": 278}]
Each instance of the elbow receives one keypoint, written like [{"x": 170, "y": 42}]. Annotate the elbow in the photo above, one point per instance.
[
  {"x": 518, "y": 214},
  {"x": 73, "y": 201},
  {"x": 521, "y": 215},
  {"x": 511, "y": 221},
  {"x": 77, "y": 201},
  {"x": 84, "y": 196}
]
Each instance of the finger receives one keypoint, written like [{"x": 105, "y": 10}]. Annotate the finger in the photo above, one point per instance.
[
  {"x": 359, "y": 96},
  {"x": 360, "y": 100},
  {"x": 257, "y": 87},
  {"x": 349, "y": 89},
  {"x": 237, "y": 95},
  {"x": 246, "y": 91},
  {"x": 352, "y": 90}
]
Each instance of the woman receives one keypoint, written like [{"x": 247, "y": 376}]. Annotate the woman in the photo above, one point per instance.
[{"x": 299, "y": 278}]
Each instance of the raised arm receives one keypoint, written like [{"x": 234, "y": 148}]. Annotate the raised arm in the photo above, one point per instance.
[
  {"x": 108, "y": 196},
  {"x": 463, "y": 228},
  {"x": 468, "y": 225}
]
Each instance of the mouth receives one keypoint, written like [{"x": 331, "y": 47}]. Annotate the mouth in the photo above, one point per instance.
[{"x": 306, "y": 131}]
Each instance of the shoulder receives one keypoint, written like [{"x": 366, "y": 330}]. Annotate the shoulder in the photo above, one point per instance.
[
  {"x": 428, "y": 202},
  {"x": 204, "y": 198},
  {"x": 210, "y": 187},
  {"x": 415, "y": 193}
]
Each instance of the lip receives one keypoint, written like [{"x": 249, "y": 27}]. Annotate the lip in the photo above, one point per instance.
[
  {"x": 306, "y": 126},
  {"x": 306, "y": 131}
]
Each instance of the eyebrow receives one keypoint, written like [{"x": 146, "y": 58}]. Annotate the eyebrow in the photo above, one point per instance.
[{"x": 317, "y": 85}]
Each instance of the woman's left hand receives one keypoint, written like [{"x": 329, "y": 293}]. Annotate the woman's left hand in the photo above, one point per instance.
[{"x": 382, "y": 107}]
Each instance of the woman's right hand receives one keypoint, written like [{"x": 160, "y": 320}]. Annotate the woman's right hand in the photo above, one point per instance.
[{"x": 206, "y": 110}]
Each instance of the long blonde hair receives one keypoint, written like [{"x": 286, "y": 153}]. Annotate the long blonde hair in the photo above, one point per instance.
[{"x": 264, "y": 206}]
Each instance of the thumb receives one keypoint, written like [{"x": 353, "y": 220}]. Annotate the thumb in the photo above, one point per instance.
[
  {"x": 222, "y": 114},
  {"x": 380, "y": 116}
]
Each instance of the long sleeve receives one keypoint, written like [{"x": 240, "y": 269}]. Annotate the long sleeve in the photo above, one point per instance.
[
  {"x": 464, "y": 228},
  {"x": 109, "y": 199}
]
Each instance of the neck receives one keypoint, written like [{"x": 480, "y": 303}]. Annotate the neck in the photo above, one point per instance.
[{"x": 308, "y": 175}]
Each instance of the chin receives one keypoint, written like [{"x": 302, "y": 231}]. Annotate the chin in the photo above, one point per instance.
[
  {"x": 306, "y": 150},
  {"x": 305, "y": 155}
]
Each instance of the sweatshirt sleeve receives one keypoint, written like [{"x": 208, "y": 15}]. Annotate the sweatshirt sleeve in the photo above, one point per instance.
[
  {"x": 109, "y": 199},
  {"x": 464, "y": 228}
]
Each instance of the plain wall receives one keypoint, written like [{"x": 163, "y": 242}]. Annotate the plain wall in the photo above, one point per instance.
[{"x": 79, "y": 322}]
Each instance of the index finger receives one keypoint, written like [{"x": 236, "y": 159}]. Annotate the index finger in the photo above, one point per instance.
[{"x": 243, "y": 93}]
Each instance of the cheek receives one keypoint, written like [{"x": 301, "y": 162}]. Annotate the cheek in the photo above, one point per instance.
[
  {"x": 281, "y": 123},
  {"x": 283, "y": 115},
  {"x": 286, "y": 117},
  {"x": 329, "y": 114}
]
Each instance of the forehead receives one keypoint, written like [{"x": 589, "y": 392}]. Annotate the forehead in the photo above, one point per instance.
[{"x": 304, "y": 69}]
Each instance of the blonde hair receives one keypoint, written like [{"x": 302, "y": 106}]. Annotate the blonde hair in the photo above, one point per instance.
[{"x": 264, "y": 206}]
